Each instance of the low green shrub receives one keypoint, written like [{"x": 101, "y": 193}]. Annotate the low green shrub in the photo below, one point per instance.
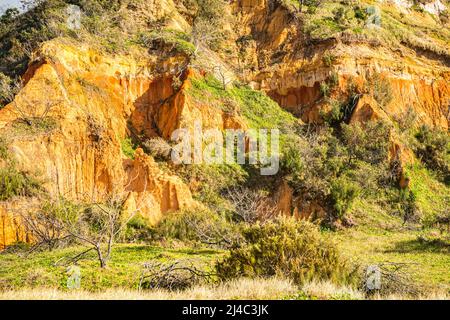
[
  {"x": 138, "y": 229},
  {"x": 128, "y": 147},
  {"x": 178, "y": 40},
  {"x": 380, "y": 88},
  {"x": 433, "y": 148},
  {"x": 343, "y": 193},
  {"x": 284, "y": 247},
  {"x": 14, "y": 183}
]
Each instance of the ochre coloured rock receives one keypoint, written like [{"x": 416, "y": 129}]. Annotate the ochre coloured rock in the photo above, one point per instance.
[{"x": 96, "y": 102}]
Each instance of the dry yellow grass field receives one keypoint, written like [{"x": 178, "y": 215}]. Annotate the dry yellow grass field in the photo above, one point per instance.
[{"x": 242, "y": 289}]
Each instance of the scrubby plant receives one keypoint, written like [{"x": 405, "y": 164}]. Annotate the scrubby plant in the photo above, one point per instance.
[
  {"x": 138, "y": 229},
  {"x": 380, "y": 88},
  {"x": 328, "y": 59},
  {"x": 336, "y": 166},
  {"x": 199, "y": 225},
  {"x": 343, "y": 193},
  {"x": 368, "y": 142},
  {"x": 177, "y": 40},
  {"x": 433, "y": 149},
  {"x": 325, "y": 89},
  {"x": 336, "y": 113},
  {"x": 159, "y": 148},
  {"x": 7, "y": 91},
  {"x": 284, "y": 247},
  {"x": 15, "y": 183},
  {"x": 4, "y": 153},
  {"x": 128, "y": 147}
]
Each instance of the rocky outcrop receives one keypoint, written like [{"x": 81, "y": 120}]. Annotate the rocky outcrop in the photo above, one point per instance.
[
  {"x": 291, "y": 69},
  {"x": 88, "y": 104}
]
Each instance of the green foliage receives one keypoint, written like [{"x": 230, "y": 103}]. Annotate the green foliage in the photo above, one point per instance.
[
  {"x": 433, "y": 148},
  {"x": 328, "y": 59},
  {"x": 48, "y": 269},
  {"x": 208, "y": 182},
  {"x": 14, "y": 183},
  {"x": 22, "y": 34},
  {"x": 327, "y": 86},
  {"x": 291, "y": 160},
  {"x": 208, "y": 22},
  {"x": 325, "y": 89},
  {"x": 128, "y": 147},
  {"x": 378, "y": 24},
  {"x": 334, "y": 167},
  {"x": 343, "y": 193},
  {"x": 368, "y": 142},
  {"x": 284, "y": 247},
  {"x": 336, "y": 114},
  {"x": 33, "y": 126},
  {"x": 380, "y": 88},
  {"x": 4, "y": 152},
  {"x": 6, "y": 90},
  {"x": 430, "y": 195},
  {"x": 255, "y": 106},
  {"x": 138, "y": 229},
  {"x": 178, "y": 40}
]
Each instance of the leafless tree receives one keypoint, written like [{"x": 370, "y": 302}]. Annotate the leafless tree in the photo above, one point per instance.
[
  {"x": 99, "y": 224},
  {"x": 212, "y": 232},
  {"x": 96, "y": 224},
  {"x": 219, "y": 72},
  {"x": 28, "y": 110},
  {"x": 44, "y": 228},
  {"x": 251, "y": 206},
  {"x": 204, "y": 33},
  {"x": 395, "y": 278}
]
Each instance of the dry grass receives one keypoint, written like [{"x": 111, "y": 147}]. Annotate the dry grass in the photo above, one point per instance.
[
  {"x": 245, "y": 289},
  {"x": 328, "y": 290}
]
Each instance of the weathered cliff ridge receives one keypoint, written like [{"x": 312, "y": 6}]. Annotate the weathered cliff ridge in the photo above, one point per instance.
[
  {"x": 291, "y": 69},
  {"x": 95, "y": 102}
]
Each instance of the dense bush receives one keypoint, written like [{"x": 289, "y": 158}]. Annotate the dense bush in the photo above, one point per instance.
[
  {"x": 368, "y": 142},
  {"x": 138, "y": 230},
  {"x": 16, "y": 183},
  {"x": 284, "y": 247},
  {"x": 335, "y": 166},
  {"x": 380, "y": 88},
  {"x": 343, "y": 193},
  {"x": 433, "y": 149}
]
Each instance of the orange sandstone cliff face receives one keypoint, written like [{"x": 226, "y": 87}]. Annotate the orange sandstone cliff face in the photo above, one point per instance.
[
  {"x": 291, "y": 70},
  {"x": 96, "y": 102}
]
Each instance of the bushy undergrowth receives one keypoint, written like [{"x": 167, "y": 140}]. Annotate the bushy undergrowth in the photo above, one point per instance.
[
  {"x": 332, "y": 166},
  {"x": 15, "y": 183},
  {"x": 433, "y": 148},
  {"x": 284, "y": 247},
  {"x": 374, "y": 23}
]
